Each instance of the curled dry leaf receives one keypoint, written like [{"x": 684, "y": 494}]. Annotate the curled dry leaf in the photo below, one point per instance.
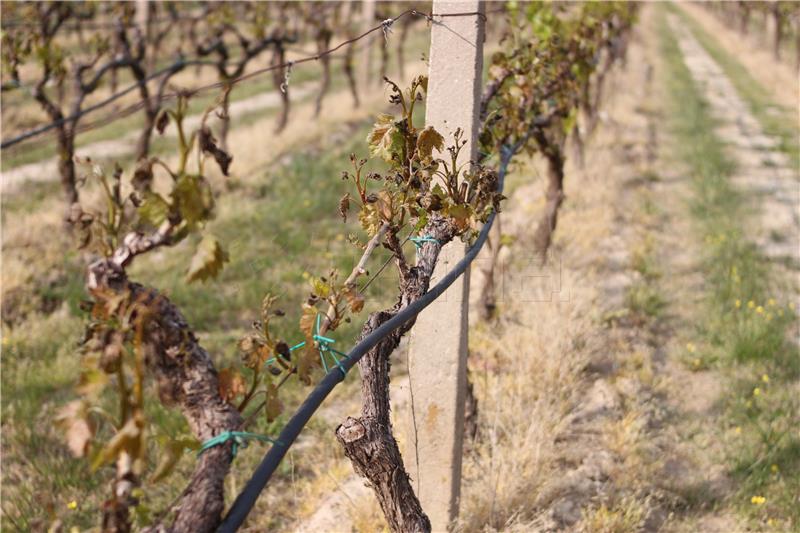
[
  {"x": 344, "y": 206},
  {"x": 231, "y": 384},
  {"x": 162, "y": 122},
  {"x": 208, "y": 144},
  {"x": 78, "y": 427}
]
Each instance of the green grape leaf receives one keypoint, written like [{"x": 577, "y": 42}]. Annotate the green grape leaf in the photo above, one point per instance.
[
  {"x": 154, "y": 209},
  {"x": 207, "y": 261},
  {"x": 320, "y": 287},
  {"x": 193, "y": 199}
]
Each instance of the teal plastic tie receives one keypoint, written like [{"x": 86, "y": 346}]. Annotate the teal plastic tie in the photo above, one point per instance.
[
  {"x": 239, "y": 438},
  {"x": 293, "y": 348},
  {"x": 324, "y": 347},
  {"x": 419, "y": 240}
]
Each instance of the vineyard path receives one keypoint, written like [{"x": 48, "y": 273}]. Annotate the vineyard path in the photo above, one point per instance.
[
  {"x": 47, "y": 170},
  {"x": 633, "y": 424}
]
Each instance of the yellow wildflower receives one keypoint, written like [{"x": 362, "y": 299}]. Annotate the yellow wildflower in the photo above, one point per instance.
[
  {"x": 738, "y": 430},
  {"x": 738, "y": 303},
  {"x": 757, "y": 392},
  {"x": 72, "y": 505},
  {"x": 751, "y": 304},
  {"x": 759, "y": 310},
  {"x": 771, "y": 522},
  {"x": 691, "y": 347},
  {"x": 306, "y": 202},
  {"x": 771, "y": 302},
  {"x": 306, "y": 275},
  {"x": 765, "y": 378},
  {"x": 758, "y": 500},
  {"x": 340, "y": 236},
  {"x": 774, "y": 469}
]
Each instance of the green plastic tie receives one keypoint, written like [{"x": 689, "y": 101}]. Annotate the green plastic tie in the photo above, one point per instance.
[
  {"x": 239, "y": 438},
  {"x": 419, "y": 240}
]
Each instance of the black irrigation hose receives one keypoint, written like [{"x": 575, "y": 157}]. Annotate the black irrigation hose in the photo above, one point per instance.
[{"x": 247, "y": 497}]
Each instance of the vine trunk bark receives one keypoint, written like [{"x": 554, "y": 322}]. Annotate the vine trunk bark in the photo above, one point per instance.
[
  {"x": 368, "y": 440},
  {"x": 186, "y": 377},
  {"x": 553, "y": 154}
]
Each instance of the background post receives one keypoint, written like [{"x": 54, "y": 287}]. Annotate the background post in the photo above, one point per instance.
[
  {"x": 438, "y": 346},
  {"x": 368, "y": 22}
]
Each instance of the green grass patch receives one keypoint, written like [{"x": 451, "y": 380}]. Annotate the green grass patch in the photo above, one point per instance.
[
  {"x": 777, "y": 121},
  {"x": 743, "y": 326},
  {"x": 279, "y": 228}
]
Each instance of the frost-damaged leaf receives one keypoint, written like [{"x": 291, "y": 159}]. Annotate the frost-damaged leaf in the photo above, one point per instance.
[
  {"x": 231, "y": 384},
  {"x": 460, "y": 215},
  {"x": 344, "y": 206},
  {"x": 207, "y": 261},
  {"x": 162, "y": 122},
  {"x": 385, "y": 140},
  {"x": 193, "y": 198},
  {"x": 273, "y": 405},
  {"x": 429, "y": 139},
  {"x": 308, "y": 320},
  {"x": 370, "y": 219},
  {"x": 79, "y": 430},
  {"x": 354, "y": 299},
  {"x": 172, "y": 451},
  {"x": 208, "y": 144},
  {"x": 310, "y": 354},
  {"x": 423, "y": 82},
  {"x": 153, "y": 209},
  {"x": 143, "y": 176},
  {"x": 128, "y": 439},
  {"x": 385, "y": 205}
]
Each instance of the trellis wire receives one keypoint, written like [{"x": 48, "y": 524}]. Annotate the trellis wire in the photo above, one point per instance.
[{"x": 217, "y": 85}]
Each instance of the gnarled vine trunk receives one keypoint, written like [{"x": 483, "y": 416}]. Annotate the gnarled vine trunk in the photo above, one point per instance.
[
  {"x": 279, "y": 79},
  {"x": 186, "y": 377},
  {"x": 323, "y": 43},
  {"x": 368, "y": 440},
  {"x": 553, "y": 154}
]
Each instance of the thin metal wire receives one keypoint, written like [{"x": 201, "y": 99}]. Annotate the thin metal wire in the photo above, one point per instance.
[{"x": 126, "y": 111}]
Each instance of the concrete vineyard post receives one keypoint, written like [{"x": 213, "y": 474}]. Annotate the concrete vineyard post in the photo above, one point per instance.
[{"x": 438, "y": 346}]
